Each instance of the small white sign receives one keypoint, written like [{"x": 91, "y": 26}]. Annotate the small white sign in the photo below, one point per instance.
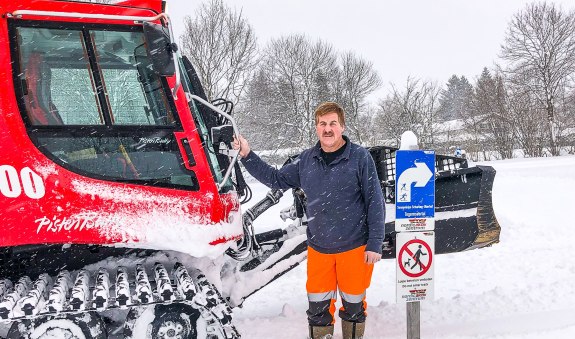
[
  {"x": 414, "y": 253},
  {"x": 414, "y": 224}
]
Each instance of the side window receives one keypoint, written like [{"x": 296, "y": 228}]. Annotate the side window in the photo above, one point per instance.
[
  {"x": 56, "y": 78},
  {"x": 134, "y": 92}
]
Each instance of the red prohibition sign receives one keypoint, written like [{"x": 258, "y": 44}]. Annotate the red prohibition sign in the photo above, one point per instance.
[{"x": 405, "y": 248}]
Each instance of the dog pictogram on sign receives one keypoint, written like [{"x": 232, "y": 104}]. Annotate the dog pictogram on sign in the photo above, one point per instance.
[{"x": 415, "y": 258}]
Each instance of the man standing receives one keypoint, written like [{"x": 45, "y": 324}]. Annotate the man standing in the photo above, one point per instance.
[{"x": 346, "y": 220}]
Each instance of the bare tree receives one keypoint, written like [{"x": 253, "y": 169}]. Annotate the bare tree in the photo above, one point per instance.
[
  {"x": 569, "y": 104},
  {"x": 357, "y": 79},
  {"x": 413, "y": 108},
  {"x": 540, "y": 45},
  {"x": 526, "y": 114},
  {"x": 565, "y": 109},
  {"x": 222, "y": 46},
  {"x": 295, "y": 75},
  {"x": 367, "y": 126},
  {"x": 570, "y": 142}
]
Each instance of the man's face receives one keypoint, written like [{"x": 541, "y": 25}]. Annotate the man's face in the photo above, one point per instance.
[{"x": 329, "y": 131}]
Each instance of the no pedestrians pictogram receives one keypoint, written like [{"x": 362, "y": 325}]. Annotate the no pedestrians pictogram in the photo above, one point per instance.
[{"x": 415, "y": 258}]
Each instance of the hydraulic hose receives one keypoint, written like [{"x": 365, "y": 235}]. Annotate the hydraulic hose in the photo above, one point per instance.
[{"x": 249, "y": 242}]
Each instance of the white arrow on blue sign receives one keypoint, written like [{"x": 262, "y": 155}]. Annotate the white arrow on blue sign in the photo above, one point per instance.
[
  {"x": 414, "y": 190},
  {"x": 420, "y": 175}
]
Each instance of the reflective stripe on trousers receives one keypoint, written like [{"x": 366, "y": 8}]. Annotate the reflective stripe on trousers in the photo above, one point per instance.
[{"x": 323, "y": 296}]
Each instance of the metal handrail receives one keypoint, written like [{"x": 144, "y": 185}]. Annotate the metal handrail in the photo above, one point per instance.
[{"x": 236, "y": 131}]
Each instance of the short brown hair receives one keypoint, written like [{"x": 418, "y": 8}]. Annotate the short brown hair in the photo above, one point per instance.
[{"x": 330, "y": 107}]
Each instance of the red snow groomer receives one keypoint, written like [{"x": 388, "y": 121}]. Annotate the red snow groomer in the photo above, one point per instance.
[{"x": 120, "y": 194}]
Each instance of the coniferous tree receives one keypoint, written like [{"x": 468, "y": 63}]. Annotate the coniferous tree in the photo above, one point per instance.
[
  {"x": 455, "y": 99},
  {"x": 261, "y": 117},
  {"x": 489, "y": 117}
]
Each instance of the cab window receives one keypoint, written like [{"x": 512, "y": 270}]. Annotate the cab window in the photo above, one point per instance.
[{"x": 93, "y": 104}]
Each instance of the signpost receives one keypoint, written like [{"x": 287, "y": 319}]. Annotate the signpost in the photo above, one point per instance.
[{"x": 414, "y": 224}]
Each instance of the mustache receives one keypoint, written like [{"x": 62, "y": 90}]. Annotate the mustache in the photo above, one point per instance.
[{"x": 330, "y": 134}]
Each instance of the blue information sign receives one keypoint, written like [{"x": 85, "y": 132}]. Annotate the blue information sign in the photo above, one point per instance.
[{"x": 414, "y": 190}]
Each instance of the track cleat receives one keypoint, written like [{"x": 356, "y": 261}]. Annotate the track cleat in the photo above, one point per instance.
[
  {"x": 163, "y": 284},
  {"x": 5, "y": 287},
  {"x": 29, "y": 303},
  {"x": 143, "y": 288},
  {"x": 80, "y": 291},
  {"x": 184, "y": 282},
  {"x": 101, "y": 293},
  {"x": 10, "y": 300},
  {"x": 122, "y": 288},
  {"x": 59, "y": 293}
]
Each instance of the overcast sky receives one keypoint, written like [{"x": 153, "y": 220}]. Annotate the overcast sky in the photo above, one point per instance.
[{"x": 420, "y": 38}]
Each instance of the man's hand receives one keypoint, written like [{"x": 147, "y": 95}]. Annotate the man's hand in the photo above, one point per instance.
[
  {"x": 242, "y": 145},
  {"x": 372, "y": 257}
]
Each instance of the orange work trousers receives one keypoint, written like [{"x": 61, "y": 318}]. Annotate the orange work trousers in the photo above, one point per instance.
[{"x": 326, "y": 273}]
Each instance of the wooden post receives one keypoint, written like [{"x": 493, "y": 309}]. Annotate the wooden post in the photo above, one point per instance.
[{"x": 413, "y": 323}]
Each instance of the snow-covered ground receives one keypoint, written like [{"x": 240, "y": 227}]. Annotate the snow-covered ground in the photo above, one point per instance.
[{"x": 523, "y": 287}]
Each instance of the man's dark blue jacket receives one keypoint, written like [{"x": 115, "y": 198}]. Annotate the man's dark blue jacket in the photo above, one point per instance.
[{"x": 345, "y": 206}]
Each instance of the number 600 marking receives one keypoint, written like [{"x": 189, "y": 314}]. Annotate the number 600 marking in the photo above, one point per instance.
[{"x": 10, "y": 185}]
